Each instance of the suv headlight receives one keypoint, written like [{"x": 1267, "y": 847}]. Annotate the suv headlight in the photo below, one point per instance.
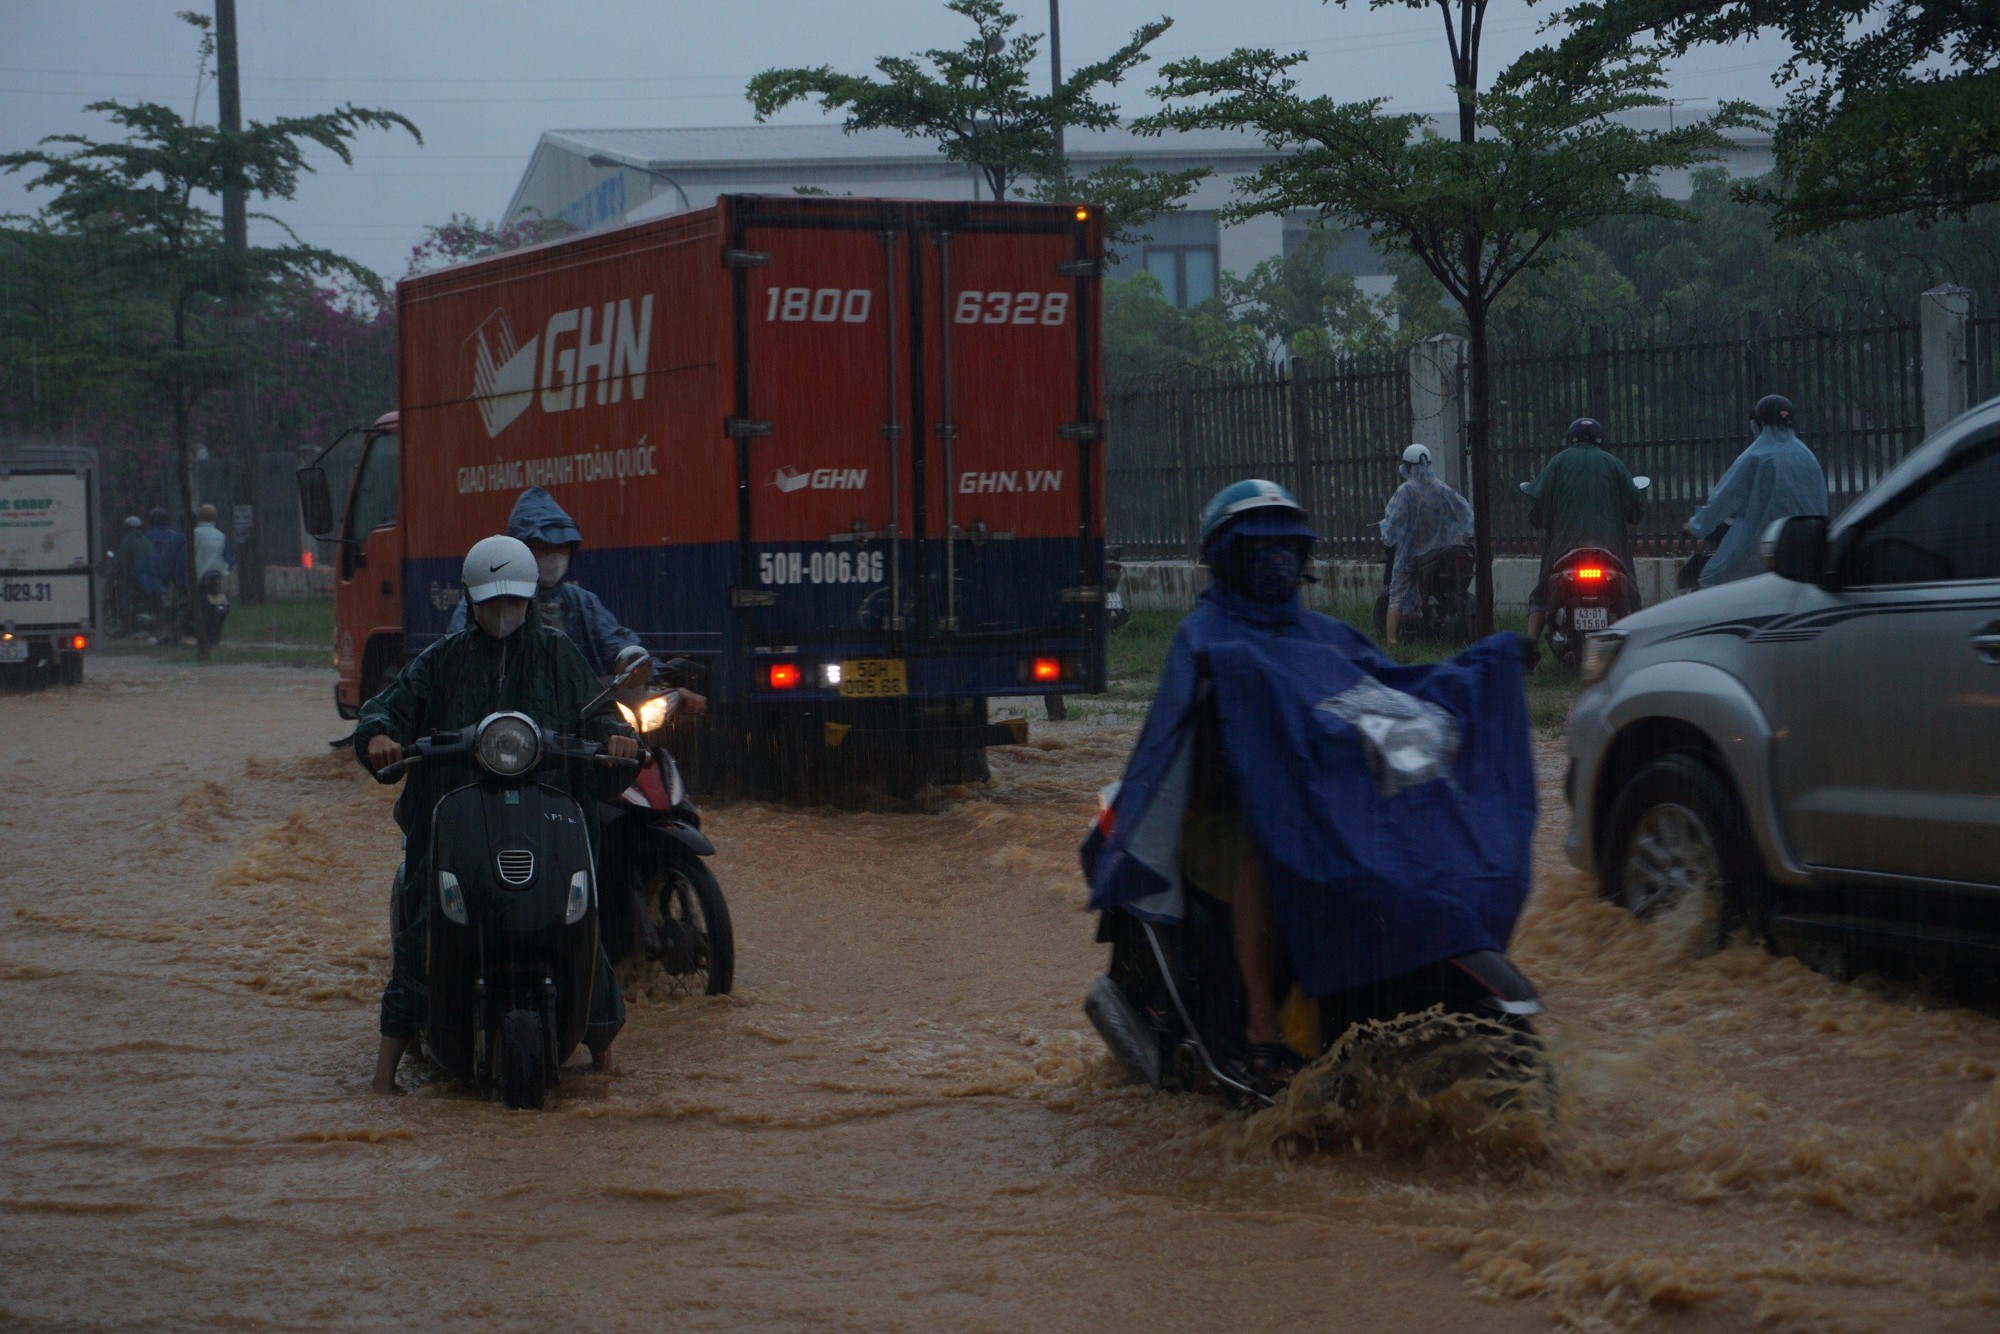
[
  {"x": 509, "y": 744},
  {"x": 1600, "y": 650}
]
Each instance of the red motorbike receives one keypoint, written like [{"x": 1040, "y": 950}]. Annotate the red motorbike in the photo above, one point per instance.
[{"x": 661, "y": 903}]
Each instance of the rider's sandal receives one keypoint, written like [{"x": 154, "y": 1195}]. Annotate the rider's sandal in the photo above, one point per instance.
[{"x": 1274, "y": 1063}]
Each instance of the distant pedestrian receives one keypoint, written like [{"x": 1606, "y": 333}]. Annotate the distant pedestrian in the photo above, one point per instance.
[
  {"x": 128, "y": 569},
  {"x": 165, "y": 578},
  {"x": 1775, "y": 478},
  {"x": 212, "y": 563}
]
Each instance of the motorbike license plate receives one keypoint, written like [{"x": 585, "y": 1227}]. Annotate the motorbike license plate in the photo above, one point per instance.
[
  {"x": 13, "y": 650},
  {"x": 873, "y": 678},
  {"x": 1593, "y": 618}
]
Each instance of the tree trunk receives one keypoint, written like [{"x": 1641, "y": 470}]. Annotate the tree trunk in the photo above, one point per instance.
[{"x": 1479, "y": 419}]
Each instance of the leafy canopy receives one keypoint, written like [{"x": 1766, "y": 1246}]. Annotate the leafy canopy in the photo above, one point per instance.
[
  {"x": 1550, "y": 155},
  {"x": 1893, "y": 108},
  {"x": 977, "y": 101}
]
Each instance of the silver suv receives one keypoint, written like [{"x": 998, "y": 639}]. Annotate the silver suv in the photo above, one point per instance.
[{"x": 1814, "y": 753}]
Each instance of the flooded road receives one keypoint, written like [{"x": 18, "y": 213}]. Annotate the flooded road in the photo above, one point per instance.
[{"x": 901, "y": 1118}]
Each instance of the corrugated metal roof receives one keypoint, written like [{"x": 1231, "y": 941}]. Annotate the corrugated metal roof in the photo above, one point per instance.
[{"x": 765, "y": 145}]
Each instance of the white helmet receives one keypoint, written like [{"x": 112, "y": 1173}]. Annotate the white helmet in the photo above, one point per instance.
[
  {"x": 1417, "y": 455},
  {"x": 499, "y": 567}
]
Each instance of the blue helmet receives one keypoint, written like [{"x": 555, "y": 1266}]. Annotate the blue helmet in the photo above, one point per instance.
[{"x": 1268, "y": 501}]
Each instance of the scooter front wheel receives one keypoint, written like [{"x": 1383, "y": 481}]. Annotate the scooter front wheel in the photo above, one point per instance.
[
  {"x": 688, "y": 927},
  {"x": 524, "y": 1075}
]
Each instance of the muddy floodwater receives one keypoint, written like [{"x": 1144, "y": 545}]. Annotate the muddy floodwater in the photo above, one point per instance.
[{"x": 901, "y": 1118}]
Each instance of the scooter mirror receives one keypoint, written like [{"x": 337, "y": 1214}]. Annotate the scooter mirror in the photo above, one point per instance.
[
  {"x": 633, "y": 666},
  {"x": 1528, "y": 489},
  {"x": 1642, "y": 482}
]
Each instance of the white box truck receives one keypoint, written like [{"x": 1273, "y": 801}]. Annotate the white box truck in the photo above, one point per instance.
[{"x": 49, "y": 540}]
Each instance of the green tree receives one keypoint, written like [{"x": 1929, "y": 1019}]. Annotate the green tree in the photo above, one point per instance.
[
  {"x": 977, "y": 102},
  {"x": 139, "y": 209},
  {"x": 1300, "y": 301},
  {"x": 1538, "y": 155},
  {"x": 1145, "y": 334},
  {"x": 1893, "y": 108}
]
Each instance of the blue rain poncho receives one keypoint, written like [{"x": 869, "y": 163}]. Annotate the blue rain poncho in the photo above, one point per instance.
[
  {"x": 1392, "y": 808},
  {"x": 578, "y": 612},
  {"x": 1775, "y": 478}
]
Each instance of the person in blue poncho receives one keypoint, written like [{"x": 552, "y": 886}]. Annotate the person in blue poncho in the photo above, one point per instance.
[
  {"x": 561, "y": 603},
  {"x": 1354, "y": 820},
  {"x": 1775, "y": 478}
]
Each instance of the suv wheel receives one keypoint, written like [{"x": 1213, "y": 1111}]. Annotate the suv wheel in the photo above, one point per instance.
[{"x": 1678, "y": 854}]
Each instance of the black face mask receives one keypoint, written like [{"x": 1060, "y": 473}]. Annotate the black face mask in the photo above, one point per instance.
[{"x": 1263, "y": 569}]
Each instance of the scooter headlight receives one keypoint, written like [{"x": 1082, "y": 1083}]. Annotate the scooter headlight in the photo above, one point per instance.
[
  {"x": 509, "y": 744},
  {"x": 579, "y": 898},
  {"x": 650, "y": 716},
  {"x": 451, "y": 898}
]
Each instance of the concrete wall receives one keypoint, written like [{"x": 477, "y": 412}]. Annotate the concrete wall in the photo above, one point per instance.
[{"x": 1174, "y": 585}]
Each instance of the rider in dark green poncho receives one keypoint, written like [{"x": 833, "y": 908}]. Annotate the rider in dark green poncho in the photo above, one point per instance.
[
  {"x": 1584, "y": 498},
  {"x": 505, "y": 661}
]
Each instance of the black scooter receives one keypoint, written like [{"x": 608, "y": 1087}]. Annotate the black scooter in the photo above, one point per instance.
[
  {"x": 1171, "y": 1009},
  {"x": 513, "y": 925},
  {"x": 1444, "y": 582}
]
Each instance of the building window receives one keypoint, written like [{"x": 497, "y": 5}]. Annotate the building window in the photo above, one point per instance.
[{"x": 1186, "y": 272}]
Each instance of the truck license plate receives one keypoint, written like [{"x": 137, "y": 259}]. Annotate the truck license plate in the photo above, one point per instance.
[
  {"x": 1593, "y": 618},
  {"x": 13, "y": 650},
  {"x": 873, "y": 678}
]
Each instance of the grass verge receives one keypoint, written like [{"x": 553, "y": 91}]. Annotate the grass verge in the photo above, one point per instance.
[{"x": 279, "y": 632}]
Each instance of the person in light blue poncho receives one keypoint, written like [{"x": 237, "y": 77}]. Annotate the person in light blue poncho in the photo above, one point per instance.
[{"x": 1776, "y": 478}]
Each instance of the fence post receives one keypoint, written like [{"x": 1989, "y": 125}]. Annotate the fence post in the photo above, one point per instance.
[
  {"x": 1942, "y": 313},
  {"x": 1301, "y": 435},
  {"x": 1436, "y": 411}
]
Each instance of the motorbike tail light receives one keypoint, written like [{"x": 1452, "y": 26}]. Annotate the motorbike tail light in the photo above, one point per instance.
[
  {"x": 1590, "y": 574},
  {"x": 1046, "y": 669},
  {"x": 783, "y": 675}
]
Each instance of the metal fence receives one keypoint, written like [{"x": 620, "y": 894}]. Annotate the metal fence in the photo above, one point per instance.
[
  {"x": 1982, "y": 357},
  {"x": 1675, "y": 404},
  {"x": 1321, "y": 425},
  {"x": 1676, "y": 408}
]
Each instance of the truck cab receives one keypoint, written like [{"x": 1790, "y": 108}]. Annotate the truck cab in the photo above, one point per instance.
[{"x": 368, "y": 565}]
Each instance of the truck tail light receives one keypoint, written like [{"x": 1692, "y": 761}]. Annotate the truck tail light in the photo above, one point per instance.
[
  {"x": 1046, "y": 670},
  {"x": 783, "y": 675},
  {"x": 79, "y": 642},
  {"x": 305, "y": 560}
]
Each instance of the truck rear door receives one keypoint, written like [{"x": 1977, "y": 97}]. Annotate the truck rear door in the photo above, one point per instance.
[
  {"x": 1013, "y": 436},
  {"x": 914, "y": 403}
]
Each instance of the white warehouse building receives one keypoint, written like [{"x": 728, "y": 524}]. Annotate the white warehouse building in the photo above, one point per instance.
[{"x": 600, "y": 178}]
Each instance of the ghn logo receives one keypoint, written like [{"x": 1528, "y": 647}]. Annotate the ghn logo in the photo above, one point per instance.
[
  {"x": 789, "y": 480},
  {"x": 607, "y": 343}
]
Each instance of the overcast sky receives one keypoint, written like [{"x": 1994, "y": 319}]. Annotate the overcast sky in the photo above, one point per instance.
[{"x": 483, "y": 78}]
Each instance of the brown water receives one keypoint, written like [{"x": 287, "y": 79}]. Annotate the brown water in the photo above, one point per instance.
[{"x": 901, "y": 1118}]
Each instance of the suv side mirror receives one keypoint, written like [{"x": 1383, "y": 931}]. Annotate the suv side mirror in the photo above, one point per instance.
[
  {"x": 315, "y": 502},
  {"x": 1795, "y": 548}
]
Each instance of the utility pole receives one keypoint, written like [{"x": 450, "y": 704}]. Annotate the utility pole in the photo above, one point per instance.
[
  {"x": 1055, "y": 75},
  {"x": 249, "y": 463},
  {"x": 235, "y": 230}
]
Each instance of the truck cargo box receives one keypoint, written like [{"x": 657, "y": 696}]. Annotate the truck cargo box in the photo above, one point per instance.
[{"x": 843, "y": 450}]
